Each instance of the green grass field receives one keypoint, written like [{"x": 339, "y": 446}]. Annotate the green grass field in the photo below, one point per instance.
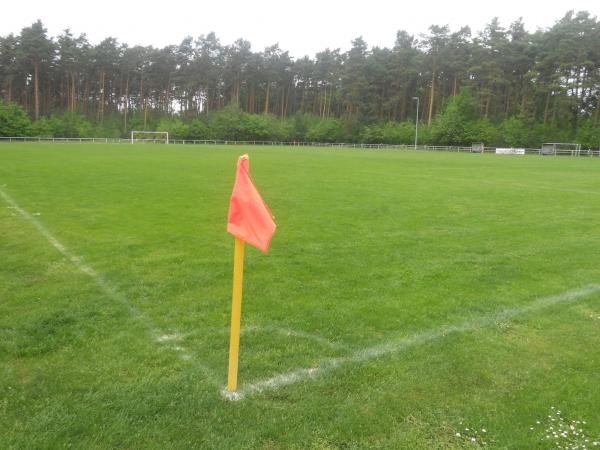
[{"x": 405, "y": 298}]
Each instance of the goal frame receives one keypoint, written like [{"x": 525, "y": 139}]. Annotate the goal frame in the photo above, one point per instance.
[
  {"x": 477, "y": 147},
  {"x": 560, "y": 148},
  {"x": 152, "y": 133}
]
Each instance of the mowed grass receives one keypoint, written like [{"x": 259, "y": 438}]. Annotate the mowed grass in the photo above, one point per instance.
[{"x": 371, "y": 247}]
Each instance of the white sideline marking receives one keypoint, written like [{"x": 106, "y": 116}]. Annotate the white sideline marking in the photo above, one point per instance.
[
  {"x": 397, "y": 345},
  {"x": 77, "y": 261}
]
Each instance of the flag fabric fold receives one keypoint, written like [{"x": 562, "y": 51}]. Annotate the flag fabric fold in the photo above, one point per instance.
[{"x": 249, "y": 216}]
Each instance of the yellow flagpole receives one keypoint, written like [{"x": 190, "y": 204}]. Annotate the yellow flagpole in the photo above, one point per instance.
[{"x": 236, "y": 314}]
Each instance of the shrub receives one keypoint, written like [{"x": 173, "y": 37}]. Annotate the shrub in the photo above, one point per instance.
[
  {"x": 14, "y": 121},
  {"x": 326, "y": 130}
]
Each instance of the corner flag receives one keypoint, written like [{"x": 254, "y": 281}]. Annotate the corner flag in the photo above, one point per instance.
[
  {"x": 249, "y": 217},
  {"x": 249, "y": 220}
]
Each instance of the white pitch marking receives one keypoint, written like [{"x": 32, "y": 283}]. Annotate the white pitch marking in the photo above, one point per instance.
[
  {"x": 291, "y": 332},
  {"x": 77, "y": 261},
  {"x": 169, "y": 337},
  {"x": 397, "y": 345}
]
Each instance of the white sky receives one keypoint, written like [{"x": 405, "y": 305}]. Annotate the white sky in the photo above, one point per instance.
[{"x": 302, "y": 27}]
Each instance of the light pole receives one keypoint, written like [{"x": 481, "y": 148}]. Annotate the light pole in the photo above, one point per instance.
[{"x": 416, "y": 122}]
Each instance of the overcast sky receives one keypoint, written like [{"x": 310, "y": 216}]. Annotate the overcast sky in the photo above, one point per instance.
[{"x": 302, "y": 27}]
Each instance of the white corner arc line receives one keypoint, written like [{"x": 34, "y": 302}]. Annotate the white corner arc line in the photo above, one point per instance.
[
  {"x": 293, "y": 333},
  {"x": 77, "y": 261},
  {"x": 398, "y": 345}
]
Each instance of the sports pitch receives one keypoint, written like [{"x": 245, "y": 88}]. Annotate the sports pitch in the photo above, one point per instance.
[{"x": 408, "y": 300}]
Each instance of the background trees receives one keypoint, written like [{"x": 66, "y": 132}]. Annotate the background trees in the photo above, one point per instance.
[{"x": 516, "y": 82}]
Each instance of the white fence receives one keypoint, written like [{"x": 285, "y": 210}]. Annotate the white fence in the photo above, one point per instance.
[{"x": 528, "y": 151}]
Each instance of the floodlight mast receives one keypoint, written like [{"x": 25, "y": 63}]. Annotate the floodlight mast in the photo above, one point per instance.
[{"x": 416, "y": 122}]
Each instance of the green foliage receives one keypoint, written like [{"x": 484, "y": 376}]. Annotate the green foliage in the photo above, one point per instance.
[
  {"x": 588, "y": 135},
  {"x": 266, "y": 127},
  {"x": 137, "y": 122},
  {"x": 516, "y": 133},
  {"x": 351, "y": 129},
  {"x": 257, "y": 127},
  {"x": 231, "y": 123},
  {"x": 43, "y": 128},
  {"x": 176, "y": 128},
  {"x": 72, "y": 125},
  {"x": 14, "y": 121},
  {"x": 326, "y": 130},
  {"x": 458, "y": 124},
  {"x": 455, "y": 125},
  {"x": 481, "y": 130},
  {"x": 197, "y": 129},
  {"x": 549, "y": 76},
  {"x": 302, "y": 123},
  {"x": 542, "y": 132},
  {"x": 226, "y": 123},
  {"x": 389, "y": 133}
]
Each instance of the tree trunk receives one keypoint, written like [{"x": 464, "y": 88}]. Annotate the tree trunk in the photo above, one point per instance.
[
  {"x": 126, "y": 104},
  {"x": 101, "y": 105},
  {"x": 168, "y": 96},
  {"x": 266, "y": 109},
  {"x": 145, "y": 112},
  {"x": 48, "y": 105},
  {"x": 321, "y": 107},
  {"x": 403, "y": 105},
  {"x": 86, "y": 95},
  {"x": 251, "y": 98},
  {"x": 546, "y": 108},
  {"x": 36, "y": 90},
  {"x": 303, "y": 100},
  {"x": 64, "y": 101},
  {"x": 432, "y": 94},
  {"x": 73, "y": 93},
  {"x": 141, "y": 99}
]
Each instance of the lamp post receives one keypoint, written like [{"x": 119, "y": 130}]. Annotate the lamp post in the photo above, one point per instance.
[{"x": 416, "y": 122}]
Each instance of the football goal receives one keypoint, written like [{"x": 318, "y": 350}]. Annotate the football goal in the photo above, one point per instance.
[
  {"x": 477, "y": 147},
  {"x": 153, "y": 137},
  {"x": 561, "y": 148}
]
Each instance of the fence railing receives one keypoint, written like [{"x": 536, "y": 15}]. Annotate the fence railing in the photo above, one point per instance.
[{"x": 528, "y": 151}]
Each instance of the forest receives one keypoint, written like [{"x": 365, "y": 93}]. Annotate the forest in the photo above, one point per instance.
[{"x": 502, "y": 85}]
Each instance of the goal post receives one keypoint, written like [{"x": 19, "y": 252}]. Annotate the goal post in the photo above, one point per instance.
[
  {"x": 477, "y": 147},
  {"x": 153, "y": 137},
  {"x": 560, "y": 148}
]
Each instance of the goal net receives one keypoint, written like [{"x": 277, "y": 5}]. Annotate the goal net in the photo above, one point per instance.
[
  {"x": 477, "y": 147},
  {"x": 561, "y": 148},
  {"x": 153, "y": 137}
]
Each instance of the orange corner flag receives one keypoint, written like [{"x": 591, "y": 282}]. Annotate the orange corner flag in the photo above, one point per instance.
[
  {"x": 249, "y": 217},
  {"x": 249, "y": 221}
]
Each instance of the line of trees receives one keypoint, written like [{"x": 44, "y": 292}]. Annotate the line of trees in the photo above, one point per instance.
[{"x": 499, "y": 85}]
